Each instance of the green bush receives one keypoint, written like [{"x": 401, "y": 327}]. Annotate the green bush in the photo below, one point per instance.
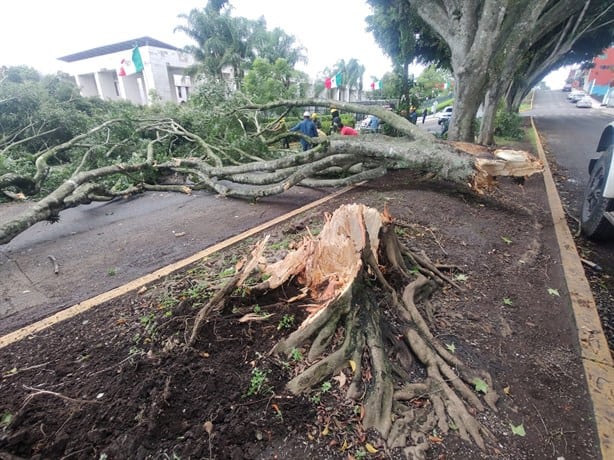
[
  {"x": 442, "y": 105},
  {"x": 509, "y": 125}
]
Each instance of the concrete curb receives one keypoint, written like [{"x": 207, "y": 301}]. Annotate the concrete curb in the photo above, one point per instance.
[{"x": 594, "y": 349}]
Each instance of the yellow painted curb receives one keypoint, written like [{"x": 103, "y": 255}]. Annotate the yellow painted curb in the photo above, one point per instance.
[
  {"x": 594, "y": 349},
  {"x": 151, "y": 277}
]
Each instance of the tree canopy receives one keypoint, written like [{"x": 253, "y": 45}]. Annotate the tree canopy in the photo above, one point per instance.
[{"x": 495, "y": 48}]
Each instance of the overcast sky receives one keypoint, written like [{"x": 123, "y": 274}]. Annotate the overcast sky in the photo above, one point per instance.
[{"x": 37, "y": 32}]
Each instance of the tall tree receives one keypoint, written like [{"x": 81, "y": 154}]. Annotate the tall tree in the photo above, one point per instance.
[
  {"x": 576, "y": 40},
  {"x": 488, "y": 41},
  {"x": 277, "y": 44}
]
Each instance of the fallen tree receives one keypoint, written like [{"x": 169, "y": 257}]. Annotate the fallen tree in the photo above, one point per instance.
[
  {"x": 235, "y": 172},
  {"x": 362, "y": 287}
]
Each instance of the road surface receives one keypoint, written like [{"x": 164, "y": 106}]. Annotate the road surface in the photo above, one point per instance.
[{"x": 104, "y": 245}]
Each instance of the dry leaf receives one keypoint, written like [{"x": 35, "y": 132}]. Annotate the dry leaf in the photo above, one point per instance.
[
  {"x": 507, "y": 390},
  {"x": 325, "y": 431},
  {"x": 341, "y": 378},
  {"x": 208, "y": 426},
  {"x": 370, "y": 448},
  {"x": 352, "y": 365},
  {"x": 435, "y": 439}
]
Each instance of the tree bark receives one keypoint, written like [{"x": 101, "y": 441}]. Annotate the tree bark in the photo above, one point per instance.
[{"x": 359, "y": 158}]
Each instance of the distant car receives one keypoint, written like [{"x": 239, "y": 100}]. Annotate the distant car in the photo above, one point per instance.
[
  {"x": 445, "y": 114},
  {"x": 567, "y": 87},
  {"x": 576, "y": 95},
  {"x": 597, "y": 215},
  {"x": 585, "y": 103}
]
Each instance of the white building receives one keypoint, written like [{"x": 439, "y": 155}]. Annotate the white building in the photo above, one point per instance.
[{"x": 163, "y": 76}]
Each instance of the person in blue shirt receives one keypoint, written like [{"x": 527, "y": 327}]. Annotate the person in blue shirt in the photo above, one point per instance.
[{"x": 306, "y": 127}]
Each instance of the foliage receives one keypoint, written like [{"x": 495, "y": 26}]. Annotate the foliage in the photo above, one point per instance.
[
  {"x": 509, "y": 125},
  {"x": 266, "y": 81},
  {"x": 431, "y": 82},
  {"x": 258, "y": 383},
  {"x": 222, "y": 41}
]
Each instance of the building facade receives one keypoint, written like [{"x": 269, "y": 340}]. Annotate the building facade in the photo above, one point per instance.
[
  {"x": 601, "y": 77},
  {"x": 162, "y": 77}
]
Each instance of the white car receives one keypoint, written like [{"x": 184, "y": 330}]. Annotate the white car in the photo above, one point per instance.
[
  {"x": 597, "y": 216},
  {"x": 575, "y": 96},
  {"x": 585, "y": 103},
  {"x": 445, "y": 114}
]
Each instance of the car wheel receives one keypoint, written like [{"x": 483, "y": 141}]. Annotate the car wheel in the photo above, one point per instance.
[{"x": 594, "y": 225}]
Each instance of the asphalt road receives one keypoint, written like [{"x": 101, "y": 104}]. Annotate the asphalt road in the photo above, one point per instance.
[
  {"x": 571, "y": 135},
  {"x": 104, "y": 245}
]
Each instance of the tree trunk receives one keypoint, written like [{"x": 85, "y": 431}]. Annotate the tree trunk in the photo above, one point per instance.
[
  {"x": 363, "y": 328},
  {"x": 487, "y": 126}
]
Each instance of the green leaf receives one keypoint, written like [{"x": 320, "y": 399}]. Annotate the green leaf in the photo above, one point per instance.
[
  {"x": 451, "y": 347},
  {"x": 554, "y": 292},
  {"x": 6, "y": 419},
  {"x": 518, "y": 430},
  {"x": 461, "y": 277},
  {"x": 507, "y": 301},
  {"x": 506, "y": 240},
  {"x": 480, "y": 385}
]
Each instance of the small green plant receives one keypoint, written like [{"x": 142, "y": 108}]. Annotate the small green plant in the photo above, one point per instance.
[
  {"x": 286, "y": 322},
  {"x": 400, "y": 231},
  {"x": 360, "y": 453},
  {"x": 284, "y": 244},
  {"x": 258, "y": 382},
  {"x": 317, "y": 396},
  {"x": 6, "y": 420},
  {"x": 149, "y": 323},
  {"x": 507, "y": 301},
  {"x": 461, "y": 277},
  {"x": 296, "y": 355},
  {"x": 257, "y": 309},
  {"x": 112, "y": 271},
  {"x": 195, "y": 292},
  {"x": 228, "y": 272}
]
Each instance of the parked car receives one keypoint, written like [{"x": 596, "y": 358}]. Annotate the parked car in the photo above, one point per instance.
[
  {"x": 576, "y": 95},
  {"x": 445, "y": 114},
  {"x": 585, "y": 103},
  {"x": 567, "y": 87},
  {"x": 597, "y": 216}
]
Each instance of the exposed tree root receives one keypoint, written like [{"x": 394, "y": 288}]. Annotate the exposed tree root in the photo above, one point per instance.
[{"x": 364, "y": 322}]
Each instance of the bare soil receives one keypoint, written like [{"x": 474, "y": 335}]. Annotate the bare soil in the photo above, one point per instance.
[{"x": 117, "y": 382}]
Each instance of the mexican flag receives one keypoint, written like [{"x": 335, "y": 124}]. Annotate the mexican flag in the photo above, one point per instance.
[
  {"x": 132, "y": 65},
  {"x": 336, "y": 81},
  {"x": 376, "y": 85}
]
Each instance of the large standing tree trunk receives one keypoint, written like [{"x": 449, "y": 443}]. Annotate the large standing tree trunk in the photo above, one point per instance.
[
  {"x": 486, "y": 39},
  {"x": 365, "y": 323}
]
